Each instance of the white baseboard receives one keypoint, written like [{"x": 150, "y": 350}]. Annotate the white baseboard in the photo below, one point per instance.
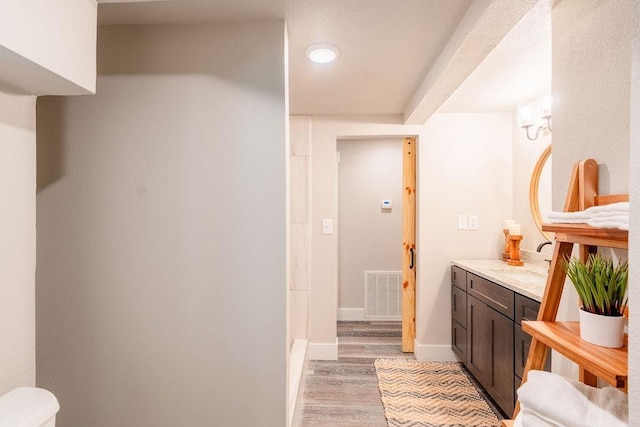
[
  {"x": 351, "y": 314},
  {"x": 297, "y": 359},
  {"x": 323, "y": 351},
  {"x": 434, "y": 353}
]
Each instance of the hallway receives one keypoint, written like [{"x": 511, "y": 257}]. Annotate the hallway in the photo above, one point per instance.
[{"x": 345, "y": 392}]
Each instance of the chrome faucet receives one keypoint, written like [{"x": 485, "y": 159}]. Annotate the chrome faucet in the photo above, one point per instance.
[{"x": 541, "y": 245}]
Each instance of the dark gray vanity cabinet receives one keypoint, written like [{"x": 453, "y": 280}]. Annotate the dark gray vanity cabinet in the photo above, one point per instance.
[
  {"x": 459, "y": 312},
  {"x": 487, "y": 336},
  {"x": 490, "y": 310},
  {"x": 526, "y": 309}
]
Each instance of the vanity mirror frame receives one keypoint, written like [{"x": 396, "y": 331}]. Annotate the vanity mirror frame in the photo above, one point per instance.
[{"x": 534, "y": 204}]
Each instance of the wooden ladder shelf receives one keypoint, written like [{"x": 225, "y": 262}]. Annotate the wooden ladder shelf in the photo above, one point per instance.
[{"x": 564, "y": 337}]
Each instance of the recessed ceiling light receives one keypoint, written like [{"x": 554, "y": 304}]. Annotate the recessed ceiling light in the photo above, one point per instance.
[{"x": 322, "y": 53}]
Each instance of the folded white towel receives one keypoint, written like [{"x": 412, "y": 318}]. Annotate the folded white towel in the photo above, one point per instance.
[
  {"x": 557, "y": 401},
  {"x": 617, "y": 218},
  {"x": 613, "y": 207},
  {"x": 567, "y": 221},
  {"x": 568, "y": 215},
  {"x": 605, "y": 214},
  {"x": 615, "y": 215},
  {"x": 620, "y": 225},
  {"x": 533, "y": 419}
]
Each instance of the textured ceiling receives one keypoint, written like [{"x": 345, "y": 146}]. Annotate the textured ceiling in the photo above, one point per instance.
[
  {"x": 387, "y": 49},
  {"x": 516, "y": 71},
  {"x": 386, "y": 46},
  {"x": 187, "y": 11}
]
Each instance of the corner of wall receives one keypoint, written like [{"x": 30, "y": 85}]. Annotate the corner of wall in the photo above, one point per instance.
[
  {"x": 323, "y": 351},
  {"x": 433, "y": 353}
]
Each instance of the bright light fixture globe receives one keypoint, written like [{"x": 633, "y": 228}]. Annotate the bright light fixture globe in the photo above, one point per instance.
[{"x": 322, "y": 53}]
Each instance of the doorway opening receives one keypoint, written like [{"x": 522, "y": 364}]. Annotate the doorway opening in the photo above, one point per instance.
[{"x": 376, "y": 231}]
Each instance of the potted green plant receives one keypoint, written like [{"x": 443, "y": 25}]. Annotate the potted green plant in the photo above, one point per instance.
[{"x": 602, "y": 288}]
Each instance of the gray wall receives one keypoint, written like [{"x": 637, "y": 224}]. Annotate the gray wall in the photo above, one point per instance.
[
  {"x": 161, "y": 279},
  {"x": 369, "y": 238}
]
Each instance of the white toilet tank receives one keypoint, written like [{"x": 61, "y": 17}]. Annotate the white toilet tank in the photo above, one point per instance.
[{"x": 28, "y": 407}]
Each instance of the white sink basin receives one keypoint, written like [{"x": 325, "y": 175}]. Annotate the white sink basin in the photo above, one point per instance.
[{"x": 522, "y": 276}]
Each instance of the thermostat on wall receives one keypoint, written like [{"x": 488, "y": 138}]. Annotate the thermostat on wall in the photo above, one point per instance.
[{"x": 386, "y": 204}]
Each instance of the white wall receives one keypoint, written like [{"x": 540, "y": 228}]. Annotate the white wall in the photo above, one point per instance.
[
  {"x": 634, "y": 233},
  {"x": 525, "y": 156},
  {"x": 48, "y": 47},
  {"x": 591, "y": 80},
  {"x": 464, "y": 168},
  {"x": 44, "y": 48},
  {"x": 464, "y": 160},
  {"x": 161, "y": 281},
  {"x": 17, "y": 241},
  {"x": 369, "y": 239}
]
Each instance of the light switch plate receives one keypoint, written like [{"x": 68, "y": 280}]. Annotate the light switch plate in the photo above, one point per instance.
[
  {"x": 463, "y": 222},
  {"x": 327, "y": 226},
  {"x": 473, "y": 223}
]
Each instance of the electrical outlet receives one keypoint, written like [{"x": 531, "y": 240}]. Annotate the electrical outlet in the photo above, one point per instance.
[
  {"x": 473, "y": 223},
  {"x": 463, "y": 222}
]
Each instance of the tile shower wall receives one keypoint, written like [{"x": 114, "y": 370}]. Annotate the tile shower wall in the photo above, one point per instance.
[{"x": 300, "y": 245}]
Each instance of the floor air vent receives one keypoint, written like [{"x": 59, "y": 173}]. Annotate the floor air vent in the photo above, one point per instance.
[{"x": 383, "y": 295}]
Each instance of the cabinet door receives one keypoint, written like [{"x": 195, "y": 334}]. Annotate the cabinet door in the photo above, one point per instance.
[
  {"x": 459, "y": 306},
  {"x": 499, "y": 381},
  {"x": 526, "y": 309},
  {"x": 459, "y": 341},
  {"x": 521, "y": 351},
  {"x": 478, "y": 339}
]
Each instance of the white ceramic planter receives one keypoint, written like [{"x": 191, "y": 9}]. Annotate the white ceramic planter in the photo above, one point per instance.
[{"x": 605, "y": 331}]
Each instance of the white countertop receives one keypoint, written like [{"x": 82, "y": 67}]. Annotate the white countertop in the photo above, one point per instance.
[{"x": 528, "y": 280}]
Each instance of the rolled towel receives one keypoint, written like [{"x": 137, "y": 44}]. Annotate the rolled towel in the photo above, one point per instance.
[
  {"x": 613, "y": 207},
  {"x": 560, "y": 401}
]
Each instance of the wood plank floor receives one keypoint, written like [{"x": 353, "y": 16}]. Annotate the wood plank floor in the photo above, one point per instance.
[{"x": 345, "y": 392}]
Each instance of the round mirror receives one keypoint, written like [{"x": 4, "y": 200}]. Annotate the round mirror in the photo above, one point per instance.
[{"x": 540, "y": 190}]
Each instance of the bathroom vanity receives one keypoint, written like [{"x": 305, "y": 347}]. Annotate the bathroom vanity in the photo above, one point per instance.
[{"x": 489, "y": 300}]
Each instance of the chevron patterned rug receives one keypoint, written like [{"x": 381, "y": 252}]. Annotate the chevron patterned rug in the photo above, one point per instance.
[{"x": 430, "y": 394}]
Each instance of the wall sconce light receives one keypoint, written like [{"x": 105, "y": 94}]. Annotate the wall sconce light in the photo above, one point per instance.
[{"x": 534, "y": 114}]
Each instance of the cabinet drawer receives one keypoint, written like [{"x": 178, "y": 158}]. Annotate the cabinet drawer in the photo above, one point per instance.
[
  {"x": 459, "y": 305},
  {"x": 459, "y": 277},
  {"x": 526, "y": 309},
  {"x": 495, "y": 296},
  {"x": 459, "y": 340}
]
